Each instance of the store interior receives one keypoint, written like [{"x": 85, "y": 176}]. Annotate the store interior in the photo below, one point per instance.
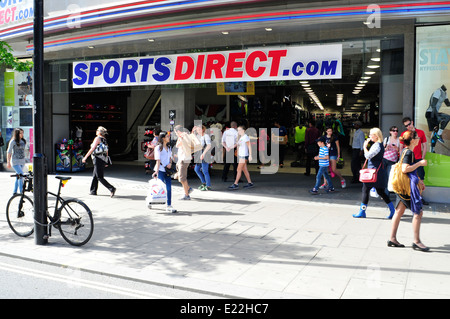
[{"x": 354, "y": 97}]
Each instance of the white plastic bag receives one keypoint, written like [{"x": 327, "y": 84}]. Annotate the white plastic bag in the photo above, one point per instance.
[
  {"x": 157, "y": 193},
  {"x": 373, "y": 192}
]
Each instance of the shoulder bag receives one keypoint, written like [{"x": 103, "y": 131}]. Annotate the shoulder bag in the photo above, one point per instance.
[
  {"x": 399, "y": 182},
  {"x": 368, "y": 175}
]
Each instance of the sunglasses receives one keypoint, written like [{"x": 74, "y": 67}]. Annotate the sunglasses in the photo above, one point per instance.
[
  {"x": 394, "y": 130},
  {"x": 406, "y": 125}
]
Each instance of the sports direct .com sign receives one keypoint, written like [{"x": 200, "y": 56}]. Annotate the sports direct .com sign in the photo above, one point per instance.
[{"x": 257, "y": 64}]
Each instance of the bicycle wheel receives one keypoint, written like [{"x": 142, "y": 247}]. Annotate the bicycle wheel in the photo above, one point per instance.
[
  {"x": 76, "y": 224},
  {"x": 20, "y": 215}
]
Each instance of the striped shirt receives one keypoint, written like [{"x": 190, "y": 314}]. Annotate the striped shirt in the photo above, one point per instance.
[{"x": 323, "y": 151}]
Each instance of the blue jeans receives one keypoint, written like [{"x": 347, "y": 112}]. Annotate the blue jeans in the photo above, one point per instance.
[
  {"x": 202, "y": 171},
  {"x": 19, "y": 181},
  {"x": 168, "y": 181},
  {"x": 323, "y": 171}
]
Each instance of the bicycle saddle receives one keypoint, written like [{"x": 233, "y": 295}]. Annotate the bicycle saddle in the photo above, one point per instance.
[{"x": 63, "y": 178}]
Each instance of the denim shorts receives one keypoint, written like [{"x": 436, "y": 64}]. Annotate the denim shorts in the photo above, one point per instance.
[
  {"x": 243, "y": 157},
  {"x": 333, "y": 157}
]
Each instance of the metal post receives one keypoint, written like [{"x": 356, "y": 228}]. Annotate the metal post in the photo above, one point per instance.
[{"x": 39, "y": 161}]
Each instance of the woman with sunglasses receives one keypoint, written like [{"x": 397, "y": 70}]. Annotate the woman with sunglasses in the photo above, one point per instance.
[
  {"x": 391, "y": 149},
  {"x": 163, "y": 158}
]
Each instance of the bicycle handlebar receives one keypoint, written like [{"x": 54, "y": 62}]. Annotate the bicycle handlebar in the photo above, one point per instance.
[{"x": 26, "y": 175}]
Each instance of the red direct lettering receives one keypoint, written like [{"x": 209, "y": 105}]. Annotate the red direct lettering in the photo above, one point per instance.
[
  {"x": 276, "y": 56},
  {"x": 214, "y": 62},
  {"x": 250, "y": 64},
  {"x": 190, "y": 66},
  {"x": 199, "y": 68},
  {"x": 233, "y": 64}
]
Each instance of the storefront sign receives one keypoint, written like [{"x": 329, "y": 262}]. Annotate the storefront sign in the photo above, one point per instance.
[
  {"x": 259, "y": 64},
  {"x": 15, "y": 11}
]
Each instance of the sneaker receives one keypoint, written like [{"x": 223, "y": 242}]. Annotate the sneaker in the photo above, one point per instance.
[
  {"x": 330, "y": 190},
  {"x": 249, "y": 185},
  {"x": 343, "y": 183},
  {"x": 440, "y": 139},
  {"x": 185, "y": 197},
  {"x": 207, "y": 188},
  {"x": 314, "y": 191},
  {"x": 323, "y": 186},
  {"x": 201, "y": 187},
  {"x": 233, "y": 187},
  {"x": 170, "y": 209}
]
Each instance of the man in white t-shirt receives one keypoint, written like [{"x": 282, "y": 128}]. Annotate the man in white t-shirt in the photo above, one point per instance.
[{"x": 229, "y": 141}]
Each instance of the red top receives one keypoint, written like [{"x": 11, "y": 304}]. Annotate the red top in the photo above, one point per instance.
[{"x": 418, "y": 149}]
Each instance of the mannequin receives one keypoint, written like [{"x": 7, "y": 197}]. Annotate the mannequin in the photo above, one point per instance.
[{"x": 434, "y": 118}]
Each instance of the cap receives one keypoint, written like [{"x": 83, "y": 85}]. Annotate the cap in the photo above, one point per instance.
[
  {"x": 321, "y": 139},
  {"x": 358, "y": 123}
]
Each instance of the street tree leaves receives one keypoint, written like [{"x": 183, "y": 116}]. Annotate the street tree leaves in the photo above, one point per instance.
[{"x": 7, "y": 59}]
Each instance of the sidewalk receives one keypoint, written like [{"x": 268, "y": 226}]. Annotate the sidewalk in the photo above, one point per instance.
[{"x": 273, "y": 241}]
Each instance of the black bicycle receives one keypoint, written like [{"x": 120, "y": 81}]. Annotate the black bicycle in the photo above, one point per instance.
[{"x": 71, "y": 217}]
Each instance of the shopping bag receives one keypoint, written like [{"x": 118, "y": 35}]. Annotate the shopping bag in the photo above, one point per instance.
[{"x": 157, "y": 193}]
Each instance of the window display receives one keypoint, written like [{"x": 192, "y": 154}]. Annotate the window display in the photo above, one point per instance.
[{"x": 432, "y": 108}]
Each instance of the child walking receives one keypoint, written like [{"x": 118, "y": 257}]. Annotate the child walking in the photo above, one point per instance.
[{"x": 324, "y": 163}]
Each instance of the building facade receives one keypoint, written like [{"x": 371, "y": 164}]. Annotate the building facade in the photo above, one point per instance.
[{"x": 126, "y": 64}]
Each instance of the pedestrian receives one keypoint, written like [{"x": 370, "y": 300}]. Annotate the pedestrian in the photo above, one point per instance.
[
  {"x": 282, "y": 140},
  {"x": 391, "y": 150},
  {"x": 184, "y": 159},
  {"x": 299, "y": 139},
  {"x": 410, "y": 140},
  {"x": 332, "y": 143},
  {"x": 357, "y": 151},
  {"x": 100, "y": 159},
  {"x": 244, "y": 152},
  {"x": 420, "y": 150},
  {"x": 16, "y": 157},
  {"x": 262, "y": 142},
  {"x": 374, "y": 157},
  {"x": 202, "y": 163},
  {"x": 324, "y": 163},
  {"x": 311, "y": 135},
  {"x": 229, "y": 141},
  {"x": 163, "y": 158},
  {"x": 152, "y": 144}
]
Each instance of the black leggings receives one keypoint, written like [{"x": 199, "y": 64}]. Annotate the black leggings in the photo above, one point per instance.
[
  {"x": 380, "y": 191},
  {"x": 98, "y": 175}
]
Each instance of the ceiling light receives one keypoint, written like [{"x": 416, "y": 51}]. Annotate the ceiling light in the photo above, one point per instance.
[
  {"x": 365, "y": 77},
  {"x": 91, "y": 47},
  {"x": 303, "y": 82},
  {"x": 369, "y": 72},
  {"x": 268, "y": 29},
  {"x": 151, "y": 40},
  {"x": 375, "y": 59},
  {"x": 373, "y": 66},
  {"x": 362, "y": 81},
  {"x": 306, "y": 85},
  {"x": 225, "y": 32}
]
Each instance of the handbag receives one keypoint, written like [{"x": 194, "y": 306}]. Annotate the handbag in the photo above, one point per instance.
[
  {"x": 150, "y": 153},
  {"x": 391, "y": 155},
  {"x": 170, "y": 171},
  {"x": 368, "y": 175},
  {"x": 400, "y": 182},
  {"x": 101, "y": 149}
]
